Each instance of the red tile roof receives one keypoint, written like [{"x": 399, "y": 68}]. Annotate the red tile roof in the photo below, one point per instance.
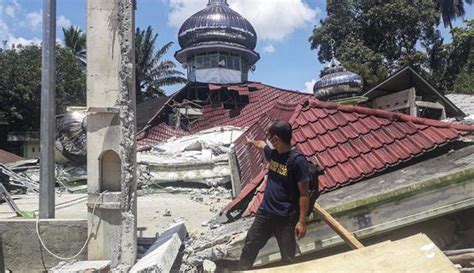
[
  {"x": 351, "y": 143},
  {"x": 6, "y": 157},
  {"x": 261, "y": 99},
  {"x": 158, "y": 133}
]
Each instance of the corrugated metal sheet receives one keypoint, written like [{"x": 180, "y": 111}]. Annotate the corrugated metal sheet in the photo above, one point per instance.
[{"x": 6, "y": 157}]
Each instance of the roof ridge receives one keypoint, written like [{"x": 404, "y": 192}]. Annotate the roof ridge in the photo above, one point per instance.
[{"x": 391, "y": 115}]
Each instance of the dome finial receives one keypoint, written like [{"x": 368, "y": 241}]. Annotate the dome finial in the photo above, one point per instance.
[
  {"x": 334, "y": 63},
  {"x": 332, "y": 43},
  {"x": 217, "y": 2}
]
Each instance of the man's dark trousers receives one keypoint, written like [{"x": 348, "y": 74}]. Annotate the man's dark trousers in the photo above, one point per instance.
[{"x": 264, "y": 226}]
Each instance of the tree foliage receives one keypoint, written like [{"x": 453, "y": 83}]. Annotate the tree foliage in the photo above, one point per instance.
[
  {"x": 459, "y": 69},
  {"x": 152, "y": 73},
  {"x": 375, "y": 37},
  {"x": 75, "y": 40},
  {"x": 450, "y": 10},
  {"x": 20, "y": 85}
]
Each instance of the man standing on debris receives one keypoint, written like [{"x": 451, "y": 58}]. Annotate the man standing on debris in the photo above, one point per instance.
[{"x": 285, "y": 203}]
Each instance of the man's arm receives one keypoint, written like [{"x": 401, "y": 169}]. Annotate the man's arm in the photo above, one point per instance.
[
  {"x": 300, "y": 228},
  {"x": 260, "y": 144}
]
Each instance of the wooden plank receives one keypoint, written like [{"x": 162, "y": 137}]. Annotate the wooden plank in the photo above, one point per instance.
[
  {"x": 338, "y": 228},
  {"x": 413, "y": 254}
]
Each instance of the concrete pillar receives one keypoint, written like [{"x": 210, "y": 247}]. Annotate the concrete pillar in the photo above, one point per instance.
[{"x": 111, "y": 132}]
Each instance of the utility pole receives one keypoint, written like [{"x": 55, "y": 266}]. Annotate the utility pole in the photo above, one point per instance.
[{"x": 48, "y": 112}]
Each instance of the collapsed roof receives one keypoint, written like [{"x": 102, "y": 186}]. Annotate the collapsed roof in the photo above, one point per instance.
[
  {"x": 222, "y": 105},
  {"x": 351, "y": 143}
]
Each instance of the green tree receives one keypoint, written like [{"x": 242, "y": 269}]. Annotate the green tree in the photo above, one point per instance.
[
  {"x": 450, "y": 10},
  {"x": 375, "y": 37},
  {"x": 20, "y": 85},
  {"x": 459, "y": 69},
  {"x": 152, "y": 73},
  {"x": 75, "y": 40},
  {"x": 70, "y": 81}
]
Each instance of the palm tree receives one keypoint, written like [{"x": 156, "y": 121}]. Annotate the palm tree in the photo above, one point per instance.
[
  {"x": 450, "y": 10},
  {"x": 151, "y": 72},
  {"x": 75, "y": 40}
]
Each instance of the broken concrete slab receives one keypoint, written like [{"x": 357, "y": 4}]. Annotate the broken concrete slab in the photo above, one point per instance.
[
  {"x": 82, "y": 267},
  {"x": 200, "y": 158},
  {"x": 413, "y": 254},
  {"x": 161, "y": 259},
  {"x": 178, "y": 229}
]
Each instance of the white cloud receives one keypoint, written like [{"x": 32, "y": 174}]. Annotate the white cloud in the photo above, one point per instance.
[
  {"x": 63, "y": 22},
  {"x": 13, "y": 8},
  {"x": 4, "y": 30},
  {"x": 22, "y": 41},
  {"x": 273, "y": 20},
  {"x": 34, "y": 19},
  {"x": 309, "y": 86},
  {"x": 269, "y": 49},
  {"x": 11, "y": 39}
]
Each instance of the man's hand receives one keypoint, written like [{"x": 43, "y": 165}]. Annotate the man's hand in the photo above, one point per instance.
[
  {"x": 300, "y": 229},
  {"x": 260, "y": 144}
]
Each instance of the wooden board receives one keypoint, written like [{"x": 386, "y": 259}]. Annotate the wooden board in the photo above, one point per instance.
[{"x": 413, "y": 254}]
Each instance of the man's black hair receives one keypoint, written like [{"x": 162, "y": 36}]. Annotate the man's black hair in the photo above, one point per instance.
[{"x": 282, "y": 129}]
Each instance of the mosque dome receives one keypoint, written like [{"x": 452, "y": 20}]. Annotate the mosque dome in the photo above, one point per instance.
[
  {"x": 337, "y": 82},
  {"x": 217, "y": 23}
]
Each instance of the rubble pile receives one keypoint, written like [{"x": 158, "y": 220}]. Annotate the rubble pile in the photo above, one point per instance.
[
  {"x": 214, "y": 245},
  {"x": 24, "y": 176},
  {"x": 201, "y": 158},
  {"x": 21, "y": 176}
]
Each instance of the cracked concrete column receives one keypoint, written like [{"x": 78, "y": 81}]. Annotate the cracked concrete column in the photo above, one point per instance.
[{"x": 111, "y": 132}]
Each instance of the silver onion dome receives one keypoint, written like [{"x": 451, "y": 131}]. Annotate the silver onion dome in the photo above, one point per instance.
[
  {"x": 217, "y": 23},
  {"x": 337, "y": 82},
  {"x": 71, "y": 138},
  {"x": 217, "y": 27}
]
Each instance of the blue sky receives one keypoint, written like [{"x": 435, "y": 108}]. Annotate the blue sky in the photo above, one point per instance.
[{"x": 283, "y": 27}]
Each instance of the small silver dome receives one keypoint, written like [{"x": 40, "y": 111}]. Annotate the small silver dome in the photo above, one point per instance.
[{"x": 337, "y": 83}]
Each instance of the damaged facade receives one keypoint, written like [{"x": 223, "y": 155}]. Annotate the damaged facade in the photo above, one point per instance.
[
  {"x": 391, "y": 167},
  {"x": 370, "y": 154}
]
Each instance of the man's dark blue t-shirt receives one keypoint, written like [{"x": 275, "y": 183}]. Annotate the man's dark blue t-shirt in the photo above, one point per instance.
[{"x": 280, "y": 197}]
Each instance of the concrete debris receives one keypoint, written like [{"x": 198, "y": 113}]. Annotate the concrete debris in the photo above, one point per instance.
[
  {"x": 72, "y": 178},
  {"x": 82, "y": 266},
  {"x": 208, "y": 266},
  {"x": 23, "y": 176},
  {"x": 162, "y": 254},
  {"x": 18, "y": 182},
  {"x": 143, "y": 175},
  {"x": 179, "y": 229},
  {"x": 201, "y": 158},
  {"x": 214, "y": 244},
  {"x": 161, "y": 259}
]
